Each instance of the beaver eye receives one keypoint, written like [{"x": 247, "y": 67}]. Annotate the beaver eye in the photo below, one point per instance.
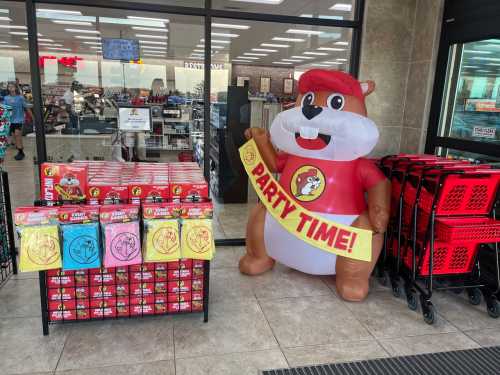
[
  {"x": 308, "y": 99},
  {"x": 336, "y": 102}
]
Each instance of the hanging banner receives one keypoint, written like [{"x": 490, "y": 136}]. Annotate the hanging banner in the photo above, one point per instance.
[{"x": 324, "y": 234}]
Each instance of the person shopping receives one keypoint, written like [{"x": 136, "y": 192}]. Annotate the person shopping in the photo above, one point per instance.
[{"x": 15, "y": 100}]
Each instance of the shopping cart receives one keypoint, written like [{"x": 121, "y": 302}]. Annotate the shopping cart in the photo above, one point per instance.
[{"x": 452, "y": 216}]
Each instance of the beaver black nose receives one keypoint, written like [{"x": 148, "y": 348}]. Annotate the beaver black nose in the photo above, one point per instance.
[{"x": 311, "y": 111}]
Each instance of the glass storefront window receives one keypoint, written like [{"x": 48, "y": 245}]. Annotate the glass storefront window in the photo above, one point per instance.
[
  {"x": 460, "y": 154},
  {"x": 471, "y": 109},
  {"x": 326, "y": 9},
  {"x": 95, "y": 60}
]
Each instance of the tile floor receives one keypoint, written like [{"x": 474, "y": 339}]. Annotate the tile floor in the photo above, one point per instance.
[{"x": 280, "y": 319}]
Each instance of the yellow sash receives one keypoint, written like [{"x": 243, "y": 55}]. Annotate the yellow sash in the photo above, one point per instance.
[{"x": 309, "y": 227}]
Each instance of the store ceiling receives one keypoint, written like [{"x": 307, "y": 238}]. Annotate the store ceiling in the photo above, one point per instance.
[{"x": 303, "y": 46}]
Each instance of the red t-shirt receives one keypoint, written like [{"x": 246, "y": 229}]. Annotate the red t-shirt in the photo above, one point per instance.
[{"x": 327, "y": 186}]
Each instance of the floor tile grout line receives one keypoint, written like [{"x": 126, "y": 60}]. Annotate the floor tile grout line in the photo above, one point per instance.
[
  {"x": 229, "y": 353},
  {"x": 471, "y": 338},
  {"x": 270, "y": 327},
  {"x": 173, "y": 344},
  {"x": 62, "y": 351}
]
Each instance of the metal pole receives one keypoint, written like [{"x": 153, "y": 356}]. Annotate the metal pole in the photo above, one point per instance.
[
  {"x": 206, "y": 288},
  {"x": 206, "y": 92},
  {"x": 356, "y": 39},
  {"x": 36, "y": 86},
  {"x": 8, "y": 221}
]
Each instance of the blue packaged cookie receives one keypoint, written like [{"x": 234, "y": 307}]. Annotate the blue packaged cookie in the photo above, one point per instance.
[{"x": 81, "y": 246}]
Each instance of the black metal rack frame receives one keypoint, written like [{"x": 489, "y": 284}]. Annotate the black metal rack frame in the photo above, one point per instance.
[{"x": 8, "y": 262}]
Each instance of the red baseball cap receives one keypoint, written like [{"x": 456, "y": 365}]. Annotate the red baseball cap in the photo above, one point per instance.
[{"x": 330, "y": 80}]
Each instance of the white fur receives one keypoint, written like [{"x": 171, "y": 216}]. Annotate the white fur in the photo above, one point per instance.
[{"x": 353, "y": 135}]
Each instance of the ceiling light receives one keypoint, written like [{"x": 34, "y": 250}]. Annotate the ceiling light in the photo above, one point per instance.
[
  {"x": 226, "y": 35},
  {"x": 303, "y": 32},
  {"x": 8, "y": 46},
  {"x": 484, "y": 71},
  {"x": 220, "y": 41},
  {"x": 201, "y": 46},
  {"x": 4, "y": 11},
  {"x": 255, "y": 54},
  {"x": 5, "y": 19},
  {"x": 316, "y": 53},
  {"x": 88, "y": 37},
  {"x": 485, "y": 58},
  {"x": 149, "y": 19},
  {"x": 76, "y": 23},
  {"x": 264, "y": 50},
  {"x": 144, "y": 48},
  {"x": 2, "y": 42},
  {"x": 40, "y": 40},
  {"x": 151, "y": 36},
  {"x": 342, "y": 7},
  {"x": 478, "y": 52},
  {"x": 275, "y": 45},
  {"x": 341, "y": 59},
  {"x": 152, "y": 42},
  {"x": 59, "y": 11},
  {"x": 328, "y": 17},
  {"x": 96, "y": 43},
  {"x": 282, "y": 63},
  {"x": 321, "y": 65},
  {"x": 270, "y": 2},
  {"x": 475, "y": 66},
  {"x": 199, "y": 50},
  {"x": 493, "y": 64},
  {"x": 243, "y": 61},
  {"x": 83, "y": 31},
  {"x": 341, "y": 43},
  {"x": 332, "y": 62},
  {"x": 218, "y": 47},
  {"x": 302, "y": 57},
  {"x": 288, "y": 39},
  {"x": 330, "y": 49},
  {"x": 13, "y": 27},
  {"x": 150, "y": 29},
  {"x": 292, "y": 60},
  {"x": 248, "y": 57},
  {"x": 134, "y": 22},
  {"x": 95, "y": 47},
  {"x": 59, "y": 48},
  {"x": 230, "y": 26},
  {"x": 154, "y": 54},
  {"x": 21, "y": 33},
  {"x": 50, "y": 44}
]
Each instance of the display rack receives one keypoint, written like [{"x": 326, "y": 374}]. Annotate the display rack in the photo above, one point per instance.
[{"x": 8, "y": 264}]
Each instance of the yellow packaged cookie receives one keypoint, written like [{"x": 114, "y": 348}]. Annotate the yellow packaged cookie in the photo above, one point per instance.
[
  {"x": 162, "y": 241},
  {"x": 40, "y": 248},
  {"x": 197, "y": 239}
]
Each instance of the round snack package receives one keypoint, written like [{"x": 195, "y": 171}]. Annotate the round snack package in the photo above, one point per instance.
[
  {"x": 40, "y": 248},
  {"x": 162, "y": 240},
  {"x": 81, "y": 246},
  {"x": 197, "y": 239}
]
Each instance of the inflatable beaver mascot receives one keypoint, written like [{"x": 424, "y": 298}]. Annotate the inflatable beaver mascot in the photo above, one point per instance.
[{"x": 317, "y": 147}]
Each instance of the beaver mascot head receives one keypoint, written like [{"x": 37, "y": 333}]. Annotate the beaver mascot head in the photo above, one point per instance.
[{"x": 329, "y": 119}]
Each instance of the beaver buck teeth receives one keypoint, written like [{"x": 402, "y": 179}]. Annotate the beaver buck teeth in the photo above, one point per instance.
[{"x": 307, "y": 132}]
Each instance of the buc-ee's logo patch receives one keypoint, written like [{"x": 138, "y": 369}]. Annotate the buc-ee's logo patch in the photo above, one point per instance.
[{"x": 307, "y": 184}]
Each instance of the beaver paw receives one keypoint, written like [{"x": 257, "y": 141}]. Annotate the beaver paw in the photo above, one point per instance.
[{"x": 250, "y": 265}]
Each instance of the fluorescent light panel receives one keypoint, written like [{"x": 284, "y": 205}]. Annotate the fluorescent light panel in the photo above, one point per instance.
[
  {"x": 134, "y": 22},
  {"x": 5, "y": 19},
  {"x": 255, "y": 54},
  {"x": 13, "y": 27},
  {"x": 478, "y": 52},
  {"x": 341, "y": 43},
  {"x": 219, "y": 41},
  {"x": 316, "y": 53},
  {"x": 96, "y": 43},
  {"x": 302, "y": 57},
  {"x": 282, "y": 63},
  {"x": 151, "y": 36},
  {"x": 59, "y": 11},
  {"x": 8, "y": 46},
  {"x": 21, "y": 33},
  {"x": 292, "y": 60},
  {"x": 248, "y": 57},
  {"x": 152, "y": 42},
  {"x": 264, "y": 50},
  {"x": 154, "y": 48},
  {"x": 226, "y": 35},
  {"x": 166, "y": 20},
  {"x": 83, "y": 31},
  {"x": 288, "y": 39},
  {"x": 270, "y": 2},
  {"x": 230, "y": 26},
  {"x": 88, "y": 37},
  {"x": 59, "y": 48},
  {"x": 75, "y": 23},
  {"x": 50, "y": 44},
  {"x": 243, "y": 61},
  {"x": 275, "y": 45},
  {"x": 156, "y": 30},
  {"x": 303, "y": 32},
  {"x": 41, "y": 39},
  {"x": 217, "y": 47},
  {"x": 341, "y": 7},
  {"x": 330, "y": 49}
]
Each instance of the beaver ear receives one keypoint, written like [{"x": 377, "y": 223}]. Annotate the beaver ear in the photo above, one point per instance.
[{"x": 367, "y": 87}]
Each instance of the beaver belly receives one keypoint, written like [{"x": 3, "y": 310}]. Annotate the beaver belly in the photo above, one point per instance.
[{"x": 285, "y": 248}]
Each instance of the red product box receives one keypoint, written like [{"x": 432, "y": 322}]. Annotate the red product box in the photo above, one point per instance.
[
  {"x": 55, "y": 316},
  {"x": 60, "y": 294},
  {"x": 142, "y": 267},
  {"x": 178, "y": 306},
  {"x": 122, "y": 290},
  {"x": 106, "y": 312},
  {"x": 183, "y": 263},
  {"x": 160, "y": 287},
  {"x": 136, "y": 310},
  {"x": 102, "y": 291},
  {"x": 141, "y": 288},
  {"x": 184, "y": 285},
  {"x": 198, "y": 263},
  {"x": 142, "y": 276},
  {"x": 123, "y": 310},
  {"x": 161, "y": 276},
  {"x": 76, "y": 214},
  {"x": 83, "y": 314},
  {"x": 145, "y": 192},
  {"x": 121, "y": 277},
  {"x": 161, "y": 298},
  {"x": 182, "y": 190},
  {"x": 182, "y": 274},
  {"x": 82, "y": 292},
  {"x": 144, "y": 300},
  {"x": 81, "y": 278},
  {"x": 198, "y": 272},
  {"x": 63, "y": 182},
  {"x": 161, "y": 266},
  {"x": 99, "y": 191},
  {"x": 60, "y": 281},
  {"x": 164, "y": 210},
  {"x": 197, "y": 210},
  {"x": 102, "y": 279},
  {"x": 185, "y": 296},
  {"x": 62, "y": 305},
  {"x": 82, "y": 304},
  {"x": 102, "y": 302},
  {"x": 161, "y": 308}
]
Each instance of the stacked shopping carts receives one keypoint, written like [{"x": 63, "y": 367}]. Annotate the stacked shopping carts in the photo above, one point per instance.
[{"x": 443, "y": 222}]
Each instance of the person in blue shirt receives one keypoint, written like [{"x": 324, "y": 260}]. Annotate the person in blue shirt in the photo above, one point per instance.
[{"x": 15, "y": 100}]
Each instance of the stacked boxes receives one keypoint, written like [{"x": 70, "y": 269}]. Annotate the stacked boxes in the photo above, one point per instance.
[{"x": 147, "y": 289}]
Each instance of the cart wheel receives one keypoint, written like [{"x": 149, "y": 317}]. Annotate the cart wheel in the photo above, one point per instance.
[
  {"x": 457, "y": 291},
  {"x": 396, "y": 290},
  {"x": 428, "y": 313},
  {"x": 383, "y": 279},
  {"x": 412, "y": 300},
  {"x": 474, "y": 296},
  {"x": 493, "y": 307}
]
